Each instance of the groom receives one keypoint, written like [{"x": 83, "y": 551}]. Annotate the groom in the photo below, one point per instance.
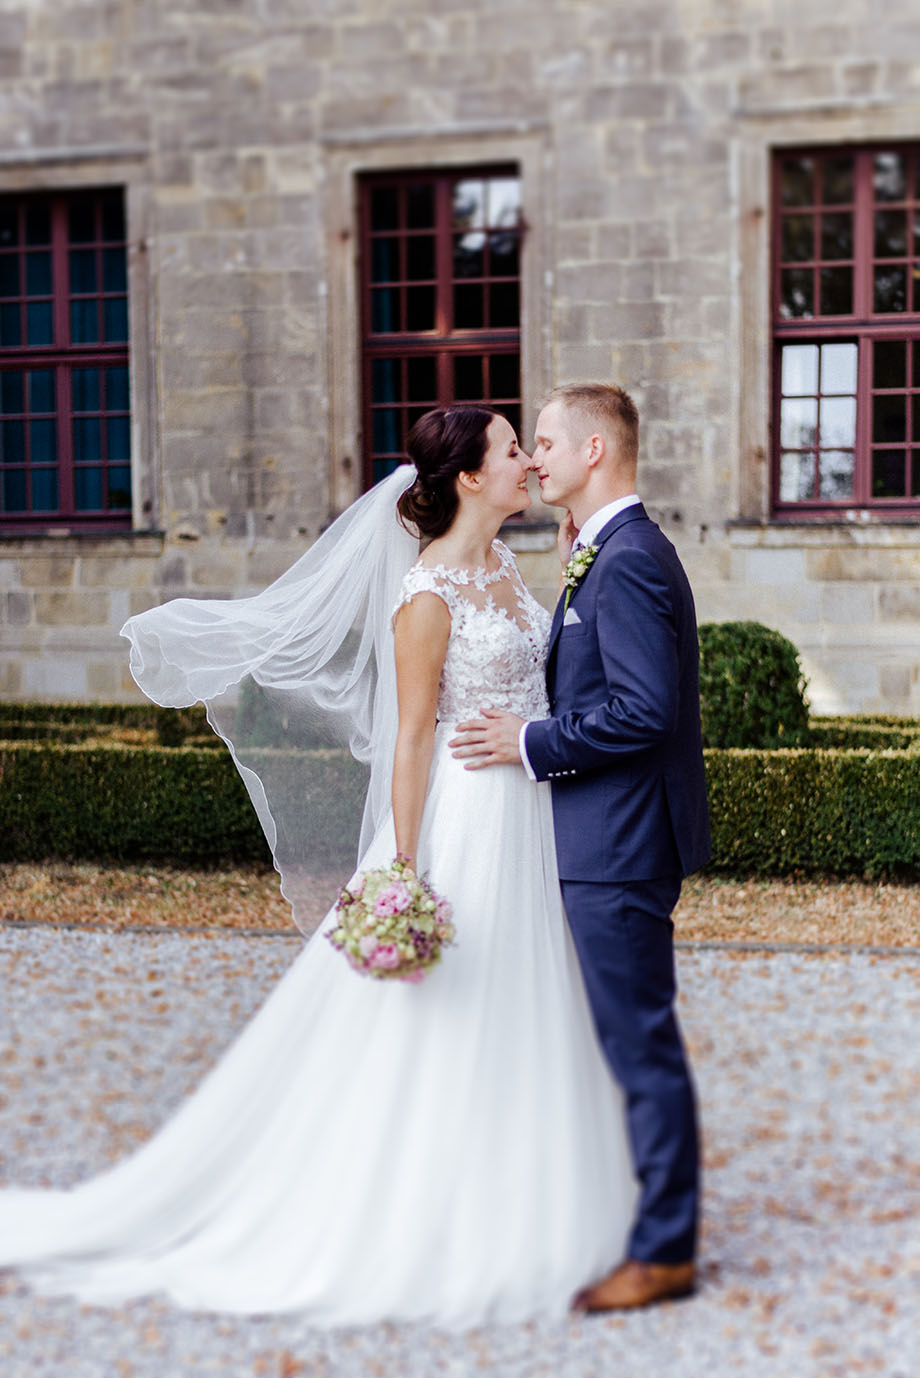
[{"x": 623, "y": 751}]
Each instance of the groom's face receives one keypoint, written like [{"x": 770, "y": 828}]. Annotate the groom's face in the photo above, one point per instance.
[{"x": 559, "y": 456}]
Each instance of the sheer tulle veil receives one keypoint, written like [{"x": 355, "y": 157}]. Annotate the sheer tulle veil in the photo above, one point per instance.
[{"x": 290, "y": 678}]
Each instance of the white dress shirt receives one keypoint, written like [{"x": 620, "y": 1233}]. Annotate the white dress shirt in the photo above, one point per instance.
[{"x": 590, "y": 529}]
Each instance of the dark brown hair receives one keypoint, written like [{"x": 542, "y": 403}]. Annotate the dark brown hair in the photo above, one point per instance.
[{"x": 442, "y": 444}]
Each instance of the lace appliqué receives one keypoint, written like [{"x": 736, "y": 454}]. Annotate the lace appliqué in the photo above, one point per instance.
[{"x": 494, "y": 658}]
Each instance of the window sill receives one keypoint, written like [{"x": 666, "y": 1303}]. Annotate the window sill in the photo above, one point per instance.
[
  {"x": 810, "y": 531},
  {"x": 111, "y": 542}
]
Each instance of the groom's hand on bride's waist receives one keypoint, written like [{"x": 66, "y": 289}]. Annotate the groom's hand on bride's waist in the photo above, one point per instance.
[{"x": 491, "y": 740}]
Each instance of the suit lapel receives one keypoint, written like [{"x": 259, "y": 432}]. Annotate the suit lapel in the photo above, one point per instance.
[{"x": 630, "y": 514}]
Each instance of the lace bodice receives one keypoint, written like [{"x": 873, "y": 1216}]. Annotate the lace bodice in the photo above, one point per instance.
[{"x": 496, "y": 652}]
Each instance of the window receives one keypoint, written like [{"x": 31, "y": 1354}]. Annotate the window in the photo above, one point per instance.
[
  {"x": 440, "y": 301},
  {"x": 846, "y": 325},
  {"x": 65, "y": 432}
]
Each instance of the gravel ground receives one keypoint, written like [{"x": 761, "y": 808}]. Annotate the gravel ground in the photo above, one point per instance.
[{"x": 808, "y": 1066}]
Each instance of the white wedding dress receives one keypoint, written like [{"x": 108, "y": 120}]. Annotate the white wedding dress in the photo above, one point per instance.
[{"x": 452, "y": 1152}]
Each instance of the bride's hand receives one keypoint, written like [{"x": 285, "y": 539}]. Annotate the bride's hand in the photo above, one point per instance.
[{"x": 565, "y": 538}]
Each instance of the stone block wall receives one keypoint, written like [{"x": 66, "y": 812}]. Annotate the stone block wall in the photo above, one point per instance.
[{"x": 237, "y": 129}]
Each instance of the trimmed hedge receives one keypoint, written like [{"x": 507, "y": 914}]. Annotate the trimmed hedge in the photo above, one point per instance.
[
  {"x": 881, "y": 733},
  {"x": 774, "y": 813},
  {"x": 752, "y": 690},
  {"x": 67, "y": 721},
  {"x": 134, "y": 803},
  {"x": 843, "y": 813}
]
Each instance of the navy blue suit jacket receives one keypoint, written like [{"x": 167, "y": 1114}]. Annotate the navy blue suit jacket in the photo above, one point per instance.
[{"x": 623, "y": 747}]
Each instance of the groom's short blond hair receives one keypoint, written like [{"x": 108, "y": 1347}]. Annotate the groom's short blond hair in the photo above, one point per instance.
[{"x": 607, "y": 407}]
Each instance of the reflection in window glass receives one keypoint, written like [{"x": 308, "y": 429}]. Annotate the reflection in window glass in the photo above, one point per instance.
[
  {"x": 835, "y": 474},
  {"x": 800, "y": 370},
  {"x": 796, "y": 477},
  {"x": 469, "y": 205},
  {"x": 838, "y": 422},
  {"x": 838, "y": 368},
  {"x": 889, "y": 177},
  {"x": 798, "y": 422}
]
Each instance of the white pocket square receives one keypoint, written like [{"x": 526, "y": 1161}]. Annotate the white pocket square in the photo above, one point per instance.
[{"x": 571, "y": 617}]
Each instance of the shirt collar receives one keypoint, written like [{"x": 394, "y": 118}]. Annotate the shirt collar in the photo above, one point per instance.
[{"x": 594, "y": 524}]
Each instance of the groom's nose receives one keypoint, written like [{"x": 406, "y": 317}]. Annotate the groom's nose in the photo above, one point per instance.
[{"x": 528, "y": 463}]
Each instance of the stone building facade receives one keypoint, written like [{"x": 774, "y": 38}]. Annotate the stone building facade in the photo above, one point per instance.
[{"x": 644, "y": 140}]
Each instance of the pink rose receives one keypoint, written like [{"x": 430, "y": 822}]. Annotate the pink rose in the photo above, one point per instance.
[
  {"x": 393, "y": 899},
  {"x": 386, "y": 957},
  {"x": 368, "y": 945},
  {"x": 444, "y": 912}
]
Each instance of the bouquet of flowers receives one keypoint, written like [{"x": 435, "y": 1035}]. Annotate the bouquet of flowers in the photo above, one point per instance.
[{"x": 391, "y": 924}]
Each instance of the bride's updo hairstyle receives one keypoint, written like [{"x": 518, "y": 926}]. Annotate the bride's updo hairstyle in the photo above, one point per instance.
[{"x": 442, "y": 444}]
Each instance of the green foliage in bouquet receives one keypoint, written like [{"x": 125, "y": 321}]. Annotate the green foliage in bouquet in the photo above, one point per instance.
[{"x": 752, "y": 690}]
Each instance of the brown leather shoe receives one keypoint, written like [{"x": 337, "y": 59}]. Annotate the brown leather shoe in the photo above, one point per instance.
[{"x": 636, "y": 1284}]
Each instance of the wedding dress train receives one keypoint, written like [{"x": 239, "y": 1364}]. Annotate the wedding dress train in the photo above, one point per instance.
[{"x": 452, "y": 1152}]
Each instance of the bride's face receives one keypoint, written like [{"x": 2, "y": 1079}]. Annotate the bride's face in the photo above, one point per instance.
[{"x": 503, "y": 474}]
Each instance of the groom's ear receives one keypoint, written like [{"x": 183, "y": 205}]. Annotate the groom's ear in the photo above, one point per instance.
[{"x": 595, "y": 449}]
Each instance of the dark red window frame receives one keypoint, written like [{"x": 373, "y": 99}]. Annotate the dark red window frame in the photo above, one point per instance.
[
  {"x": 65, "y": 421},
  {"x": 846, "y": 321},
  {"x": 440, "y": 299}
]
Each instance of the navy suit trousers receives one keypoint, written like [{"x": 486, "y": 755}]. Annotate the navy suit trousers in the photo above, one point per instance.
[{"x": 624, "y": 937}]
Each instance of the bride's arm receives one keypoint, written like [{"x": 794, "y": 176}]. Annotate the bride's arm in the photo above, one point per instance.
[{"x": 421, "y": 633}]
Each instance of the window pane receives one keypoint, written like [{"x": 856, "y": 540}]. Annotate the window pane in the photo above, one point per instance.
[
  {"x": 799, "y": 370},
  {"x": 889, "y": 177},
  {"x": 40, "y": 323},
  {"x": 917, "y": 224},
  {"x": 385, "y": 260},
  {"x": 13, "y": 442},
  {"x": 915, "y": 431},
  {"x": 838, "y": 368},
  {"x": 9, "y": 275},
  {"x": 14, "y": 491},
  {"x": 504, "y": 376},
  {"x": 84, "y": 322},
  {"x": 113, "y": 217},
  {"x": 468, "y": 378},
  {"x": 796, "y": 477},
  {"x": 837, "y": 235},
  {"x": 838, "y": 422},
  {"x": 10, "y": 324},
  {"x": 797, "y": 292},
  {"x": 469, "y": 205},
  {"x": 386, "y": 431},
  {"x": 888, "y": 474},
  {"x": 504, "y": 307},
  {"x": 835, "y": 474},
  {"x": 87, "y": 395},
  {"x": 890, "y": 234},
  {"x": 422, "y": 380},
  {"x": 9, "y": 222},
  {"x": 836, "y": 180},
  {"x": 420, "y": 206},
  {"x": 83, "y": 270},
  {"x": 889, "y": 364},
  {"x": 797, "y": 182},
  {"x": 420, "y": 308},
  {"x": 11, "y": 392},
  {"x": 915, "y": 474},
  {"x": 82, "y": 221},
  {"x": 88, "y": 490},
  {"x": 44, "y": 490},
  {"x": 118, "y": 439},
  {"x": 890, "y": 289},
  {"x": 504, "y": 201},
  {"x": 116, "y": 389},
  {"x": 115, "y": 314},
  {"x": 420, "y": 257},
  {"x": 468, "y": 310},
  {"x": 114, "y": 270},
  {"x": 512, "y": 412},
  {"x": 836, "y": 291},
  {"x": 38, "y": 275},
  {"x": 469, "y": 255},
  {"x": 798, "y": 422},
  {"x": 385, "y": 310},
  {"x": 87, "y": 439},
  {"x": 41, "y": 390},
  {"x": 384, "y": 380},
  {"x": 889, "y": 418},
  {"x": 798, "y": 238},
  {"x": 38, "y": 222},
  {"x": 43, "y": 439},
  {"x": 503, "y": 255},
  {"x": 384, "y": 208},
  {"x": 119, "y": 488}
]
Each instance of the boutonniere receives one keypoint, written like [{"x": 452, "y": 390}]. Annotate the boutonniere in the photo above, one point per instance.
[{"x": 582, "y": 560}]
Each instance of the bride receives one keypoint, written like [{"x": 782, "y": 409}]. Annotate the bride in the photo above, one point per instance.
[{"x": 451, "y": 1152}]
